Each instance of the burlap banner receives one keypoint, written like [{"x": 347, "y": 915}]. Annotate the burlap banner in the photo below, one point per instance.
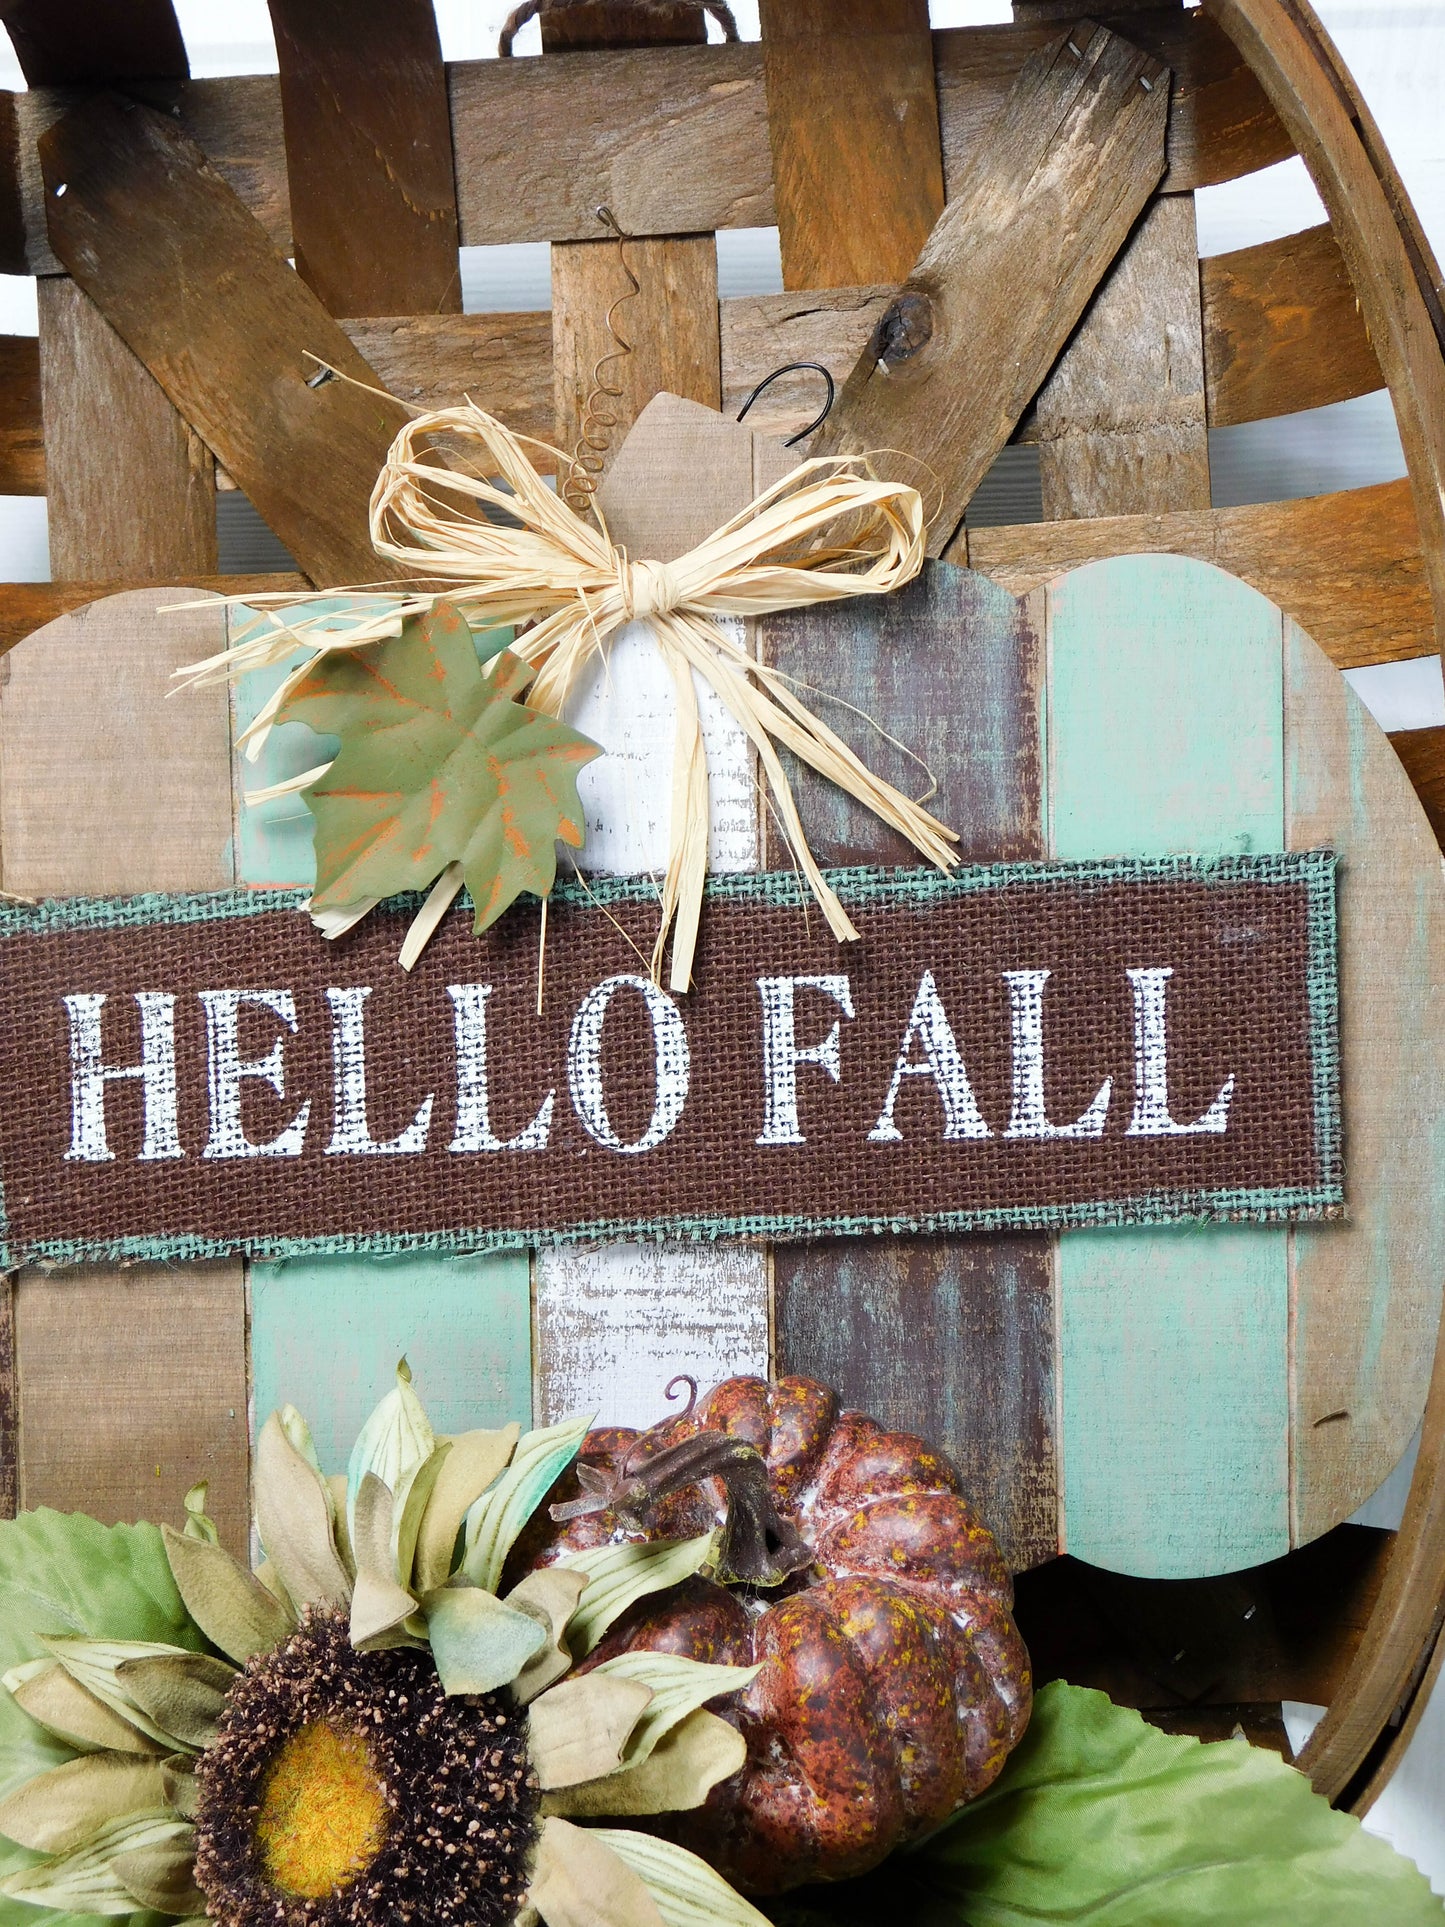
[{"x": 1022, "y": 1045}]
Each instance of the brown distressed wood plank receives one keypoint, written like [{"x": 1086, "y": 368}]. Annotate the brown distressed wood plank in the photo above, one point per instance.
[
  {"x": 853, "y": 122},
  {"x": 672, "y": 326},
  {"x": 1010, "y": 266},
  {"x": 674, "y": 139},
  {"x": 28, "y": 606},
  {"x": 369, "y": 154},
  {"x": 1120, "y": 421},
  {"x": 1422, "y": 751},
  {"x": 67, "y": 41},
  {"x": 1348, "y": 566},
  {"x": 503, "y": 361},
  {"x": 671, "y": 323},
  {"x": 132, "y": 489},
  {"x": 22, "y": 440},
  {"x": 132, "y": 1381},
  {"x": 950, "y": 1337},
  {"x": 145, "y": 225},
  {"x": 1283, "y": 329}
]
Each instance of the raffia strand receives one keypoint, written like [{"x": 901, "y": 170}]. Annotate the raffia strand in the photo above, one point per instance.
[{"x": 462, "y": 512}]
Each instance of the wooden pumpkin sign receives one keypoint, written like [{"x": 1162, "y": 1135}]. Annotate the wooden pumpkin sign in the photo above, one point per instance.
[{"x": 1181, "y": 1383}]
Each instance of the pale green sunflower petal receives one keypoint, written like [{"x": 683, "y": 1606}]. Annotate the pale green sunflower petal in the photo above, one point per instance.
[
  {"x": 618, "y": 1575},
  {"x": 179, "y": 1784},
  {"x": 577, "y": 1881},
  {"x": 230, "y": 1605},
  {"x": 478, "y": 1643},
  {"x": 58, "y": 1810},
  {"x": 336, "y": 1486},
  {"x": 293, "y": 1517},
  {"x": 475, "y": 1460},
  {"x": 686, "y": 1891},
  {"x": 54, "y": 1699},
  {"x": 94, "y": 1664},
  {"x": 381, "y": 1614},
  {"x": 679, "y": 1773},
  {"x": 497, "y": 1518},
  {"x": 549, "y": 1595},
  {"x": 162, "y": 1876},
  {"x": 408, "y": 1507},
  {"x": 85, "y": 1880},
  {"x": 397, "y": 1437},
  {"x": 198, "y": 1524},
  {"x": 679, "y": 1686},
  {"x": 579, "y": 1730},
  {"x": 183, "y": 1694}
]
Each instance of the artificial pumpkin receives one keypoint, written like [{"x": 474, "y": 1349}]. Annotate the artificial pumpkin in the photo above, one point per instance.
[{"x": 894, "y": 1681}]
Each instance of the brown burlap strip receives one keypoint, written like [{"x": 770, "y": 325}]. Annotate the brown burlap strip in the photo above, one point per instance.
[{"x": 929, "y": 1077}]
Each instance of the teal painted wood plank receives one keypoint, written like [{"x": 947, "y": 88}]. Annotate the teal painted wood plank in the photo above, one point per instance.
[
  {"x": 1166, "y": 734},
  {"x": 1174, "y": 1406},
  {"x": 327, "y": 1332}
]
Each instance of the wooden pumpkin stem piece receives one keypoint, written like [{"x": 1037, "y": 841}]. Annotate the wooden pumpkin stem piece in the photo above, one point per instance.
[{"x": 759, "y": 1546}]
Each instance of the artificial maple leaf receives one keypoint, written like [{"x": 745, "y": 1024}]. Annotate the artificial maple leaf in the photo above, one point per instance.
[{"x": 439, "y": 763}]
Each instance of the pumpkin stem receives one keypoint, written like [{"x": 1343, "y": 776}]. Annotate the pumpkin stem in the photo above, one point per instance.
[{"x": 759, "y": 1546}]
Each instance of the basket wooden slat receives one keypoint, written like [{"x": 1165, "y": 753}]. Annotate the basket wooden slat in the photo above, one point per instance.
[{"x": 368, "y": 155}]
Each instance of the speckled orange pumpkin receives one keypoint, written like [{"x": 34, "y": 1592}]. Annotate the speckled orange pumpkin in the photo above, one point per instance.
[{"x": 894, "y": 1681}]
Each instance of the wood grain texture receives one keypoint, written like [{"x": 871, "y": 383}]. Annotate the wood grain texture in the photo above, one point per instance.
[
  {"x": 1221, "y": 123},
  {"x": 143, "y": 223},
  {"x": 503, "y": 361},
  {"x": 852, "y": 105},
  {"x": 1384, "y": 247},
  {"x": 369, "y": 154},
  {"x": 132, "y": 1382},
  {"x": 22, "y": 439},
  {"x": 132, "y": 488},
  {"x": 60, "y": 42},
  {"x": 132, "y": 1388},
  {"x": 614, "y": 1324},
  {"x": 1348, "y": 567},
  {"x": 1120, "y": 421},
  {"x": 1034, "y": 223},
  {"x": 949, "y": 1337},
  {"x": 1368, "y": 1296},
  {"x": 672, "y": 326},
  {"x": 1282, "y": 329},
  {"x": 28, "y": 606},
  {"x": 674, "y": 139},
  {"x": 1165, "y": 731},
  {"x": 1422, "y": 755}
]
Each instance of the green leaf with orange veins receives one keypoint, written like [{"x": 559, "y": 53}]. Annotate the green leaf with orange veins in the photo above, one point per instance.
[{"x": 440, "y": 762}]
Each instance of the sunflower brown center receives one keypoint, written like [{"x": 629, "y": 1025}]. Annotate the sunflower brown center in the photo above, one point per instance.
[{"x": 323, "y": 1815}]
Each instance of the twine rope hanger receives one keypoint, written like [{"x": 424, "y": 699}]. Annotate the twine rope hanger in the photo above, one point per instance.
[{"x": 489, "y": 535}]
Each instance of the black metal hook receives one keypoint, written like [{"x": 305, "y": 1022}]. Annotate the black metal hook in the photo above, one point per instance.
[{"x": 793, "y": 368}]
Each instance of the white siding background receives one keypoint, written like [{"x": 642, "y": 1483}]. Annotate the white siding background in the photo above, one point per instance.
[{"x": 1397, "y": 54}]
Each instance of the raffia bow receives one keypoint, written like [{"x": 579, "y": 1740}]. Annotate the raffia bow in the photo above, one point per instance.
[{"x": 459, "y": 499}]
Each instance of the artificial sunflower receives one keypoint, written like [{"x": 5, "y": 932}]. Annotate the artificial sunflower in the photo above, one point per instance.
[{"x": 379, "y": 1736}]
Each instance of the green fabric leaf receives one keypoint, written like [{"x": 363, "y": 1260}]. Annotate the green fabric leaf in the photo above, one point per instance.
[
  {"x": 1100, "y": 1817},
  {"x": 496, "y": 1519},
  {"x": 439, "y": 763},
  {"x": 64, "y": 1573}
]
